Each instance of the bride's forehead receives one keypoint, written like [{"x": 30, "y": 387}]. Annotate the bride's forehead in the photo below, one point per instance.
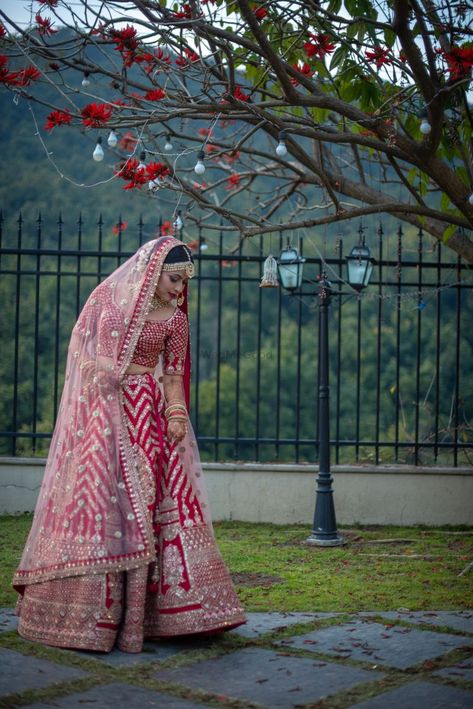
[{"x": 177, "y": 272}]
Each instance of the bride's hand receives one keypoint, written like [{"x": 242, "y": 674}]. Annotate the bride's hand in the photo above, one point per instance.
[{"x": 176, "y": 431}]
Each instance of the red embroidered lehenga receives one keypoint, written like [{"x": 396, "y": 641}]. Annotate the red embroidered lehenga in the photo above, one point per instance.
[{"x": 121, "y": 547}]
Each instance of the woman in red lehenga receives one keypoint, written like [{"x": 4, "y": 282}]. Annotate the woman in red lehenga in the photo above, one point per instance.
[{"x": 121, "y": 546}]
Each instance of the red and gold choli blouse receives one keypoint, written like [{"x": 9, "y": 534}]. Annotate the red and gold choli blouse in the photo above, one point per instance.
[{"x": 166, "y": 336}]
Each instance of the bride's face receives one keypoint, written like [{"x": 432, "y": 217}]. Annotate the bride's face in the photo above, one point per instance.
[{"x": 171, "y": 284}]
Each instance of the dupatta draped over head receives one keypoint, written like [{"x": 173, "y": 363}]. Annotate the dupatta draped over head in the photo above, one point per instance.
[{"x": 91, "y": 515}]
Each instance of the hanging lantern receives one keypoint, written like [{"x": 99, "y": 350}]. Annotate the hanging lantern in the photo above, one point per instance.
[
  {"x": 359, "y": 265},
  {"x": 270, "y": 273},
  {"x": 290, "y": 265}
]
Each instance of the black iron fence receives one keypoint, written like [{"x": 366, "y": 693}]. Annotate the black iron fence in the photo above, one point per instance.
[{"x": 401, "y": 353}]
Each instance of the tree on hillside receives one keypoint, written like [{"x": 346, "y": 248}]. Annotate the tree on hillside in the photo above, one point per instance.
[{"x": 305, "y": 112}]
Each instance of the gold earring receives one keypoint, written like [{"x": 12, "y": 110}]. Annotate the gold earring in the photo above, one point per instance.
[{"x": 180, "y": 299}]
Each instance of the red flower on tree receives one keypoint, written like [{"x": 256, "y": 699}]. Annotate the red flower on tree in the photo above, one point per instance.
[
  {"x": 305, "y": 69},
  {"x": 185, "y": 13},
  {"x": 58, "y": 118},
  {"x": 49, "y": 3},
  {"x": 95, "y": 115},
  {"x": 136, "y": 175},
  {"x": 156, "y": 171},
  {"x": 125, "y": 39},
  {"x": 128, "y": 142},
  {"x": 24, "y": 77},
  {"x": 45, "y": 26},
  {"x": 260, "y": 13},
  {"x": 161, "y": 57},
  {"x": 119, "y": 227},
  {"x": 233, "y": 181},
  {"x": 238, "y": 94},
  {"x": 320, "y": 46},
  {"x": 166, "y": 228},
  {"x": 459, "y": 61},
  {"x": 231, "y": 157},
  {"x": 130, "y": 171},
  {"x": 155, "y": 95},
  {"x": 3, "y": 32},
  {"x": 380, "y": 56},
  {"x": 190, "y": 56}
]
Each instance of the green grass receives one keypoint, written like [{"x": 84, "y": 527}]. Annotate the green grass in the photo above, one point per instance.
[{"x": 275, "y": 570}]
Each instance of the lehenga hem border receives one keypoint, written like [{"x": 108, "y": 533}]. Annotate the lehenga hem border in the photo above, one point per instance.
[{"x": 28, "y": 578}]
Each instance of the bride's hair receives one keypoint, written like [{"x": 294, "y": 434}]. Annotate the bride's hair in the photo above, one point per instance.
[{"x": 178, "y": 254}]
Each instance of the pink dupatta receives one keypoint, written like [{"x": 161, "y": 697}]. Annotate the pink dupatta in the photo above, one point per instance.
[{"x": 91, "y": 514}]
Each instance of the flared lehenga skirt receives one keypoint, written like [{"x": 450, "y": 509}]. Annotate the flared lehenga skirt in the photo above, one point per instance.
[{"x": 187, "y": 590}]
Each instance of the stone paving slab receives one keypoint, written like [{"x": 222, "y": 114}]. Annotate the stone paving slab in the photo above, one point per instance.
[
  {"x": 20, "y": 673},
  {"x": 112, "y": 696},
  {"x": 462, "y": 670},
  {"x": 8, "y": 619},
  {"x": 372, "y": 642},
  {"x": 419, "y": 695},
  {"x": 263, "y": 623},
  {"x": 458, "y": 620},
  {"x": 273, "y": 679},
  {"x": 156, "y": 651}
]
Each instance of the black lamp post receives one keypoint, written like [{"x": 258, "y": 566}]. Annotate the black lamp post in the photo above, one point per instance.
[{"x": 360, "y": 267}]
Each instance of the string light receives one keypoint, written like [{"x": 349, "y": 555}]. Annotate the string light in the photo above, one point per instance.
[
  {"x": 86, "y": 81},
  {"x": 281, "y": 148},
  {"x": 425, "y": 126},
  {"x": 112, "y": 139},
  {"x": 203, "y": 246},
  {"x": 470, "y": 199},
  {"x": 168, "y": 145},
  {"x": 142, "y": 165},
  {"x": 178, "y": 223},
  {"x": 199, "y": 168},
  {"x": 98, "y": 153}
]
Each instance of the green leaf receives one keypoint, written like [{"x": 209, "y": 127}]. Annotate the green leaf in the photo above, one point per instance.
[
  {"x": 445, "y": 203},
  {"x": 334, "y": 6},
  {"x": 389, "y": 37},
  {"x": 448, "y": 233},
  {"x": 339, "y": 56}
]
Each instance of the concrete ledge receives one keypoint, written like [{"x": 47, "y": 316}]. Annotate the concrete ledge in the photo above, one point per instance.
[{"x": 285, "y": 494}]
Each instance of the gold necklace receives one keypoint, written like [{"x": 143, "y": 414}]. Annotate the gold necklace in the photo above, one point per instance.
[{"x": 157, "y": 303}]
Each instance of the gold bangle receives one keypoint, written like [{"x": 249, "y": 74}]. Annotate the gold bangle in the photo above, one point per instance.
[{"x": 171, "y": 409}]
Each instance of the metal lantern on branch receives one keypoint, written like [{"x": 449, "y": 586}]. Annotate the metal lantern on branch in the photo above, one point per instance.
[
  {"x": 290, "y": 267},
  {"x": 359, "y": 265}
]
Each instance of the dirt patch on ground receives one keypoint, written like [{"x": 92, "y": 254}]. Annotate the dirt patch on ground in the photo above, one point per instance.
[{"x": 251, "y": 580}]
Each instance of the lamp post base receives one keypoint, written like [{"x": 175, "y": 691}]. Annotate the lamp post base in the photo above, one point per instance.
[{"x": 316, "y": 540}]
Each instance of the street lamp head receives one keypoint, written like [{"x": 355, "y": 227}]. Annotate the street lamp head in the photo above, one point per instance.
[
  {"x": 290, "y": 265},
  {"x": 359, "y": 266}
]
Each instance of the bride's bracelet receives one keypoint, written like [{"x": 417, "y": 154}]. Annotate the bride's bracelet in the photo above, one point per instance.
[{"x": 175, "y": 411}]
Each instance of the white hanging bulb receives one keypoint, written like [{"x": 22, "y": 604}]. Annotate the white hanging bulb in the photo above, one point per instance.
[
  {"x": 142, "y": 165},
  {"x": 112, "y": 139},
  {"x": 178, "y": 223},
  {"x": 199, "y": 168},
  {"x": 203, "y": 245},
  {"x": 86, "y": 81},
  {"x": 281, "y": 148},
  {"x": 98, "y": 153},
  {"x": 425, "y": 126},
  {"x": 470, "y": 199},
  {"x": 270, "y": 273},
  {"x": 168, "y": 145}
]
